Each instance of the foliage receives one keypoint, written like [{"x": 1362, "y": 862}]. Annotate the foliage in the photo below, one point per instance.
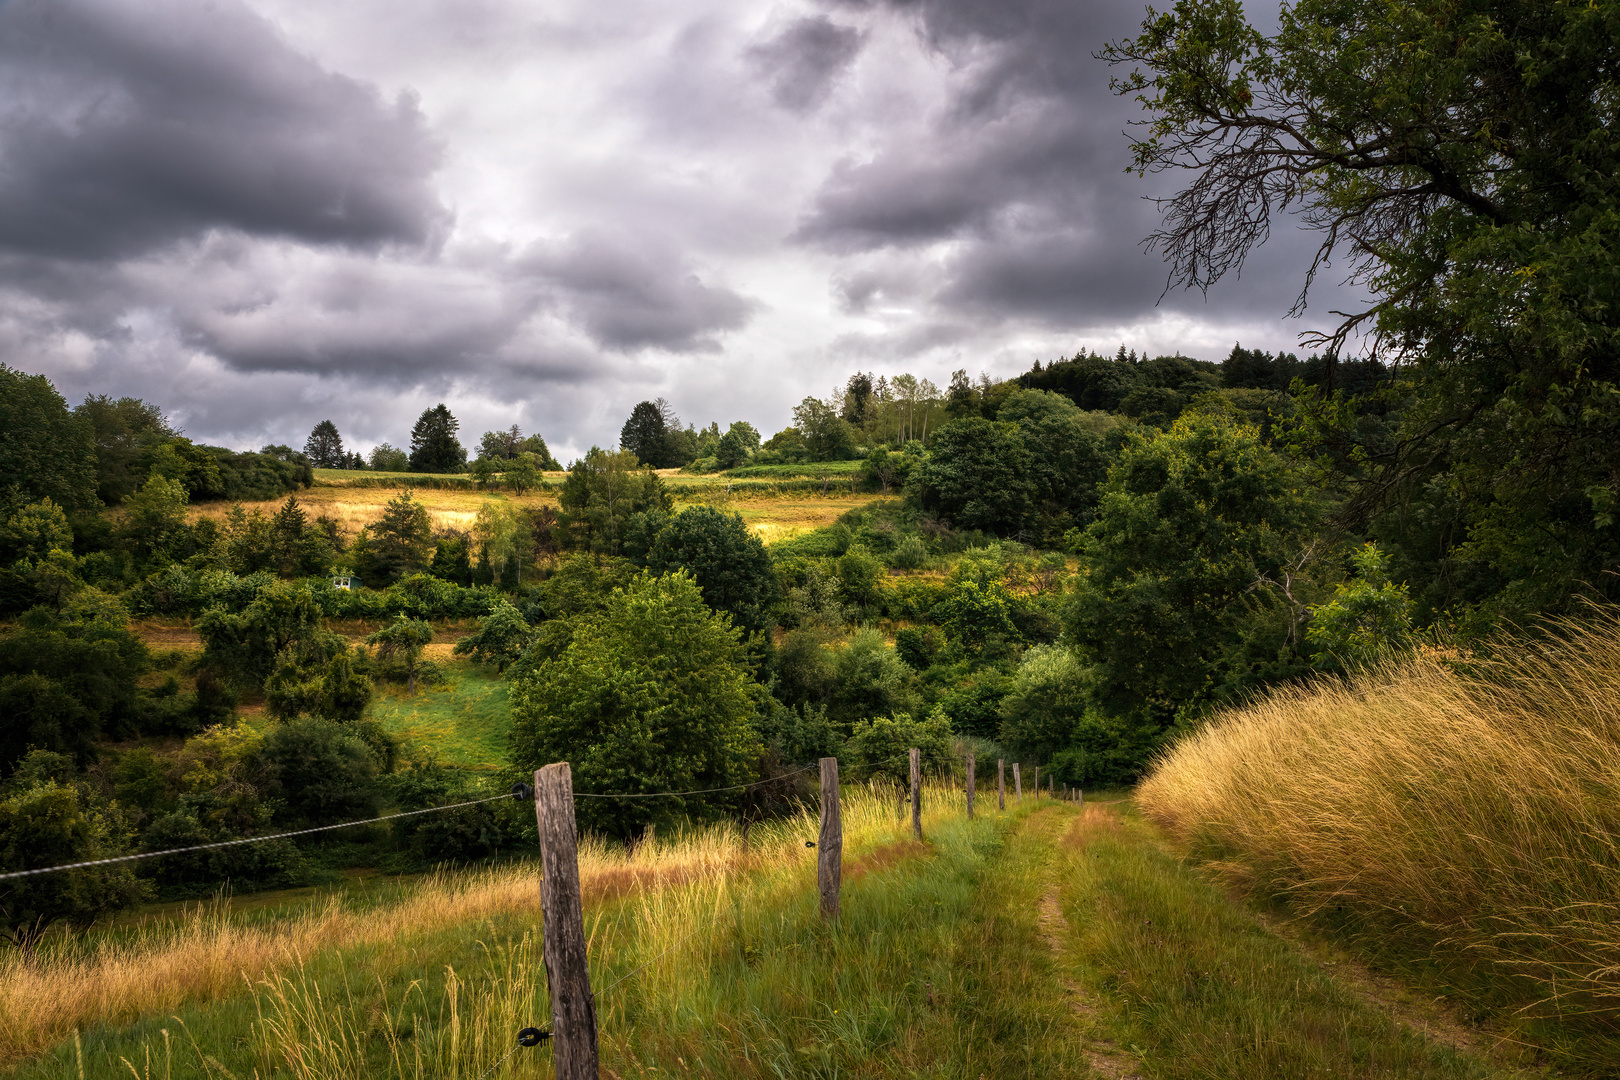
[
  {"x": 978, "y": 617},
  {"x": 728, "y": 562},
  {"x": 502, "y": 637},
  {"x": 244, "y": 647},
  {"x": 47, "y": 824},
  {"x": 1368, "y": 619},
  {"x": 977, "y": 475},
  {"x": 64, "y": 683},
  {"x": 645, "y": 434},
  {"x": 504, "y": 538},
  {"x": 797, "y": 734},
  {"x": 155, "y": 517},
  {"x": 825, "y": 434},
  {"x": 881, "y": 746},
  {"x": 1462, "y": 160},
  {"x": 405, "y": 639},
  {"x": 316, "y": 772},
  {"x": 1192, "y": 520},
  {"x": 314, "y": 684},
  {"x": 33, "y": 531},
  {"x": 870, "y": 680},
  {"x": 324, "y": 447},
  {"x": 387, "y": 458},
  {"x": 601, "y": 493},
  {"x": 651, "y": 695},
  {"x": 45, "y": 451},
  {"x": 1046, "y": 700},
  {"x": 399, "y": 544},
  {"x": 434, "y": 447},
  {"x": 737, "y": 445}
]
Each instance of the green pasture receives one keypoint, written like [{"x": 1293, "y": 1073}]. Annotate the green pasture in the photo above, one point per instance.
[{"x": 465, "y": 721}]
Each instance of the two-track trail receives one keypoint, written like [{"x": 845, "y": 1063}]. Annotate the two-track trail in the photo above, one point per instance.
[{"x": 1163, "y": 975}]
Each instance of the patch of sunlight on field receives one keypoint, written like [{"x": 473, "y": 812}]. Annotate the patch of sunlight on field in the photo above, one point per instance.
[{"x": 464, "y": 722}]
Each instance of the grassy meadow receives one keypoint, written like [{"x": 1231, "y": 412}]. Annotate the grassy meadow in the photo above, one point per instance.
[
  {"x": 464, "y": 721},
  {"x": 1051, "y": 940},
  {"x": 1459, "y": 821}
]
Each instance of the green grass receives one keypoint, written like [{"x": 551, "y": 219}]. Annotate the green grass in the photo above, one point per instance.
[
  {"x": 805, "y": 470},
  {"x": 1038, "y": 943},
  {"x": 465, "y": 721}
]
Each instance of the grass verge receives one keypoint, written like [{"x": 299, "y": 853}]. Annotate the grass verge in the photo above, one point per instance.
[{"x": 1460, "y": 823}]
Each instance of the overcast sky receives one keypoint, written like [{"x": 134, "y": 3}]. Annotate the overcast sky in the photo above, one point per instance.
[{"x": 263, "y": 213}]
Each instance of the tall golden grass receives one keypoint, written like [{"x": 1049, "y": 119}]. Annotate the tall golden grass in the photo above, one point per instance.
[
  {"x": 209, "y": 954},
  {"x": 1473, "y": 807}
]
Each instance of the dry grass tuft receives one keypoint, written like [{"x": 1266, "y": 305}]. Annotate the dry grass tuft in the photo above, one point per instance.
[
  {"x": 1474, "y": 809},
  {"x": 207, "y": 956}
]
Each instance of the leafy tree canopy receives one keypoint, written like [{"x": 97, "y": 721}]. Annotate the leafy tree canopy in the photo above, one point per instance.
[
  {"x": 1460, "y": 160},
  {"x": 47, "y": 824},
  {"x": 651, "y": 695},
  {"x": 1191, "y": 520},
  {"x": 728, "y": 562},
  {"x": 45, "y": 451}
]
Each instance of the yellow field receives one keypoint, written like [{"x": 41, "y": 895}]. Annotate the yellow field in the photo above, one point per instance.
[{"x": 772, "y": 517}]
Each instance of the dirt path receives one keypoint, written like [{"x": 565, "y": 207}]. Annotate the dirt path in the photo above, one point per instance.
[{"x": 1165, "y": 975}]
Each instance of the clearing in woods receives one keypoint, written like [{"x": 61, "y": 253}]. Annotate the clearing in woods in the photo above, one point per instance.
[{"x": 1049, "y": 941}]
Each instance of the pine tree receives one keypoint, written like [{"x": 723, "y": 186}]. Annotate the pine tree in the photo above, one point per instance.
[
  {"x": 324, "y": 448},
  {"x": 434, "y": 447}
]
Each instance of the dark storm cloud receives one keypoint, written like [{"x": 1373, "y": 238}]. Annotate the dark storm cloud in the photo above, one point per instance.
[
  {"x": 630, "y": 292},
  {"x": 124, "y": 128},
  {"x": 804, "y": 61},
  {"x": 1022, "y": 174}
]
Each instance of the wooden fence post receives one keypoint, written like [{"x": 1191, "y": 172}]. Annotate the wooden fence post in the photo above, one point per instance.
[
  {"x": 916, "y": 793},
  {"x": 568, "y": 973},
  {"x": 970, "y": 765},
  {"x": 1001, "y": 783},
  {"x": 1081, "y": 793},
  {"x": 1036, "y": 786},
  {"x": 830, "y": 847},
  {"x": 1018, "y": 782}
]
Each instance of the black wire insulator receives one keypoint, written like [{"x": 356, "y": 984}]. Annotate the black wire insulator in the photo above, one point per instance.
[
  {"x": 522, "y": 792},
  {"x": 532, "y": 1037}
]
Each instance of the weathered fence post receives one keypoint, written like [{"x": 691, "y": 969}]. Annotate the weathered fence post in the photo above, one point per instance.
[
  {"x": 568, "y": 973},
  {"x": 1036, "y": 786},
  {"x": 970, "y": 765},
  {"x": 1001, "y": 783},
  {"x": 1018, "y": 782},
  {"x": 830, "y": 847},
  {"x": 916, "y": 793},
  {"x": 1080, "y": 796}
]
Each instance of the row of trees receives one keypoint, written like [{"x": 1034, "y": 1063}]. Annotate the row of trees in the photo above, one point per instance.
[{"x": 435, "y": 448}]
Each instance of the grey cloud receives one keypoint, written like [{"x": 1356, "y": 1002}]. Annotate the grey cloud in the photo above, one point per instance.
[
  {"x": 803, "y": 62},
  {"x": 125, "y": 128},
  {"x": 631, "y": 293}
]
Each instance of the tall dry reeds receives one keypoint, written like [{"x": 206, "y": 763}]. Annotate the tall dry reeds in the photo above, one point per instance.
[{"x": 1471, "y": 808}]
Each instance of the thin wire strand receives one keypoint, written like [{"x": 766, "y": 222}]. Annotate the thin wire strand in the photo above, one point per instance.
[
  {"x": 408, "y": 813},
  {"x": 699, "y": 791},
  {"x": 650, "y": 963},
  {"x": 245, "y": 839}
]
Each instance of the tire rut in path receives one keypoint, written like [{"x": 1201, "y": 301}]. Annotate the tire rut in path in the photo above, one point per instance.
[{"x": 1101, "y": 1054}]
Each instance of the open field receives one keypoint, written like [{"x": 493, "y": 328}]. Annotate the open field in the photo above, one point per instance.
[
  {"x": 774, "y": 516},
  {"x": 464, "y": 722},
  {"x": 1047, "y": 941}
]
